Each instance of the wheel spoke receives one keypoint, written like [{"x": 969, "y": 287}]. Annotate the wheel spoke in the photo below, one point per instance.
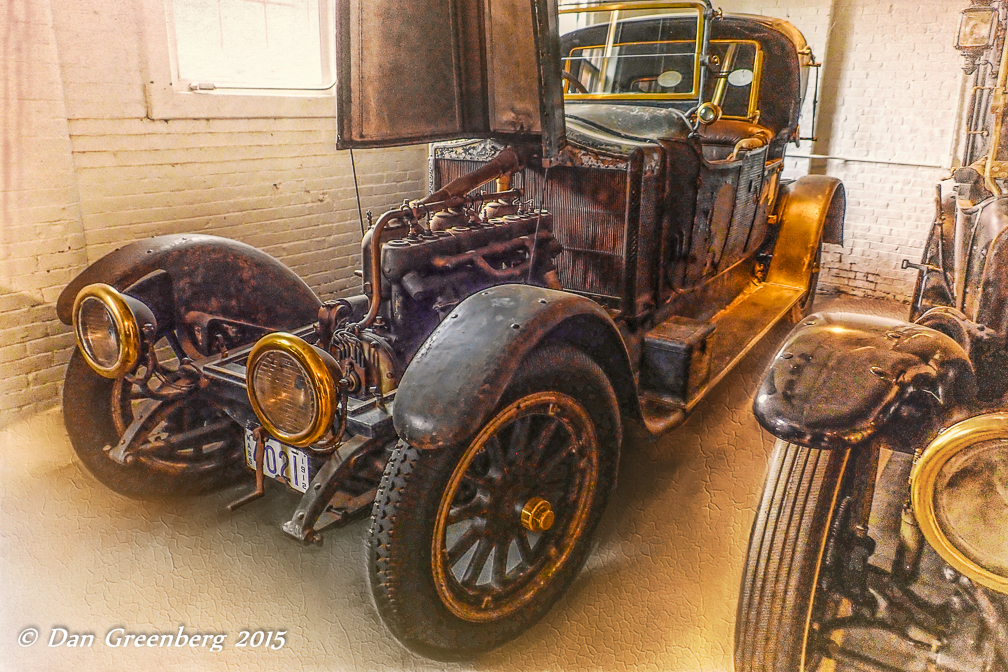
[
  {"x": 499, "y": 576},
  {"x": 524, "y": 548},
  {"x": 519, "y": 439},
  {"x": 480, "y": 483},
  {"x": 463, "y": 544},
  {"x": 470, "y": 509},
  {"x": 536, "y": 451},
  {"x": 494, "y": 454},
  {"x": 477, "y": 562},
  {"x": 557, "y": 459}
]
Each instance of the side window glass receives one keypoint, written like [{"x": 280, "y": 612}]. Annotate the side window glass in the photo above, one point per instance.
[{"x": 734, "y": 85}]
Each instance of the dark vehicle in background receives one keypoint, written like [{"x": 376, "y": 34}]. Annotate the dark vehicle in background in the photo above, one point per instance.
[
  {"x": 607, "y": 234},
  {"x": 921, "y": 584}
]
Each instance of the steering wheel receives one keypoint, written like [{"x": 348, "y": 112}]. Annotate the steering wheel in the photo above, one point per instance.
[{"x": 574, "y": 83}]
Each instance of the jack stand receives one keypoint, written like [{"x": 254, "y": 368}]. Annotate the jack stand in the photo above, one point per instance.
[{"x": 260, "y": 489}]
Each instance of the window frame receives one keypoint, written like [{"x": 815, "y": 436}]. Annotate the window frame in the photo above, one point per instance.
[{"x": 168, "y": 97}]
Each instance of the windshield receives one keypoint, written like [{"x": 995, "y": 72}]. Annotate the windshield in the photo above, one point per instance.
[{"x": 632, "y": 51}]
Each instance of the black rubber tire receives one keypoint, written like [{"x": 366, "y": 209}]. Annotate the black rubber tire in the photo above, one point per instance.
[
  {"x": 782, "y": 566},
  {"x": 403, "y": 518},
  {"x": 87, "y": 415}
]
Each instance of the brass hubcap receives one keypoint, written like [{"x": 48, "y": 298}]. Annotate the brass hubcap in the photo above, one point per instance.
[{"x": 537, "y": 515}]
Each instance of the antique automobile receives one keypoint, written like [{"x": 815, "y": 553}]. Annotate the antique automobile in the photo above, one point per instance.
[
  {"x": 607, "y": 233},
  {"x": 853, "y": 567}
]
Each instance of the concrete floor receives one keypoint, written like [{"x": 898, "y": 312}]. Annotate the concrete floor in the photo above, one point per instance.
[{"x": 658, "y": 591}]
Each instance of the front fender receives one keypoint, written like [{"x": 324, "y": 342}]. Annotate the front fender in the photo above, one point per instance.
[
  {"x": 840, "y": 377},
  {"x": 208, "y": 276},
  {"x": 458, "y": 376}
]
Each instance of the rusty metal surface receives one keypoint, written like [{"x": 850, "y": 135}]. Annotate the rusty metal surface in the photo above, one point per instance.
[
  {"x": 474, "y": 67},
  {"x": 477, "y": 349},
  {"x": 839, "y": 378},
  {"x": 209, "y": 275}
]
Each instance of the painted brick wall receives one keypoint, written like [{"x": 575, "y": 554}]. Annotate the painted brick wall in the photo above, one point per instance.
[
  {"x": 41, "y": 237},
  {"x": 85, "y": 171},
  {"x": 890, "y": 85}
]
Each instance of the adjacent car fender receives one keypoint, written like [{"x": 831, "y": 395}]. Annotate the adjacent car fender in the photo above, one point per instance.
[
  {"x": 840, "y": 378},
  {"x": 809, "y": 210},
  {"x": 458, "y": 376},
  {"x": 206, "y": 278}
]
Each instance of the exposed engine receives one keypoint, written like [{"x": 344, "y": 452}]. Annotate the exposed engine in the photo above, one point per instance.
[{"x": 430, "y": 256}]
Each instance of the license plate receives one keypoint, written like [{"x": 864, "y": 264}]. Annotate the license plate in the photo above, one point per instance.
[{"x": 282, "y": 462}]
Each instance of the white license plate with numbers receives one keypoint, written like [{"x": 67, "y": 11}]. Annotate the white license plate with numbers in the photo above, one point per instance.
[{"x": 282, "y": 462}]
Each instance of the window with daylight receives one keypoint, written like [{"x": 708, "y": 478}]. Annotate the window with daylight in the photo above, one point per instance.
[
  {"x": 240, "y": 58},
  {"x": 255, "y": 44}
]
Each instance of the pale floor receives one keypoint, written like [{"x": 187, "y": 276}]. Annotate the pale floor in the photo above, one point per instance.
[{"x": 658, "y": 591}]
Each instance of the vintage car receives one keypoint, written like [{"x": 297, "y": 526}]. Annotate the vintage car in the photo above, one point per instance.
[
  {"x": 921, "y": 584},
  {"x": 607, "y": 234}
]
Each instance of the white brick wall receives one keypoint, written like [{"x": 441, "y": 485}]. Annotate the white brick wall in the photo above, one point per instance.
[
  {"x": 889, "y": 86},
  {"x": 84, "y": 171},
  {"x": 41, "y": 237}
]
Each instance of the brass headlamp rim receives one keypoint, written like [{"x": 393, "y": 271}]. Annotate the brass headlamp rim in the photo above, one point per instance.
[
  {"x": 127, "y": 328},
  {"x": 320, "y": 377},
  {"x": 923, "y": 479}
]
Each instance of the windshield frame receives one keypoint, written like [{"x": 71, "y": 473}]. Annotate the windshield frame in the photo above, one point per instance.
[{"x": 661, "y": 8}]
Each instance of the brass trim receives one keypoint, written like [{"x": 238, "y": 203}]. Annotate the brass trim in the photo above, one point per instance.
[
  {"x": 708, "y": 113},
  {"x": 568, "y": 411},
  {"x": 125, "y": 323},
  {"x": 752, "y": 111},
  {"x": 319, "y": 377},
  {"x": 992, "y": 167},
  {"x": 698, "y": 49},
  {"x": 923, "y": 478},
  {"x": 702, "y": 7}
]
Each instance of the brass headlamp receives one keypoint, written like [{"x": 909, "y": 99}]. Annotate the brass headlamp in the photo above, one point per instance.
[
  {"x": 110, "y": 327},
  {"x": 959, "y": 491},
  {"x": 292, "y": 387}
]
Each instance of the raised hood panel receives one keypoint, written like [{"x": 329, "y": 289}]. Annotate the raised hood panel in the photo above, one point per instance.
[{"x": 423, "y": 70}]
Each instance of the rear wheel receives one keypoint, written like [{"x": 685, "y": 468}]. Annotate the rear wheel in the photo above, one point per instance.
[
  {"x": 781, "y": 601},
  {"x": 472, "y": 544}
]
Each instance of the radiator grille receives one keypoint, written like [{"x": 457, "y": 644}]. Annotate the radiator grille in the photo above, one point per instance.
[{"x": 589, "y": 219}]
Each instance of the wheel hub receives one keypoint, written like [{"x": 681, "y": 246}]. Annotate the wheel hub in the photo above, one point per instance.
[{"x": 537, "y": 515}]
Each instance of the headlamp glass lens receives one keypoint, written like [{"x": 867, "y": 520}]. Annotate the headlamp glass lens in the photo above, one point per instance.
[
  {"x": 284, "y": 392},
  {"x": 98, "y": 332},
  {"x": 971, "y": 504}
]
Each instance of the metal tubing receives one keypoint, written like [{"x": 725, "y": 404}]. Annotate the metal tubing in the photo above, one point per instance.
[
  {"x": 505, "y": 163},
  {"x": 415, "y": 211}
]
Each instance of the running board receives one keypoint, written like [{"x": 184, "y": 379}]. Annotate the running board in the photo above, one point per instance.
[{"x": 707, "y": 351}]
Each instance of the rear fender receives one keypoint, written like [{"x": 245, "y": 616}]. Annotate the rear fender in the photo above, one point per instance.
[
  {"x": 809, "y": 209},
  {"x": 198, "y": 283},
  {"x": 840, "y": 378},
  {"x": 458, "y": 376}
]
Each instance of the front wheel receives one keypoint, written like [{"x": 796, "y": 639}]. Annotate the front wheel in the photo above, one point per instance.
[
  {"x": 97, "y": 412},
  {"x": 779, "y": 608},
  {"x": 471, "y": 544}
]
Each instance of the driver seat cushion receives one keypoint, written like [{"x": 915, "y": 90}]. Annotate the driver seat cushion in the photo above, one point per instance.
[{"x": 727, "y": 132}]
